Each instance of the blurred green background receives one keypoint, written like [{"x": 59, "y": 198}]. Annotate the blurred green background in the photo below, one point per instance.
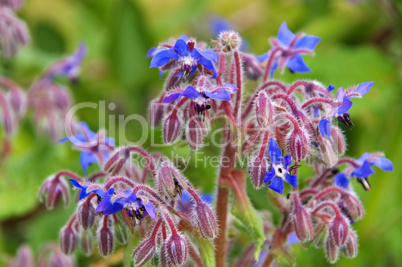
[{"x": 361, "y": 41}]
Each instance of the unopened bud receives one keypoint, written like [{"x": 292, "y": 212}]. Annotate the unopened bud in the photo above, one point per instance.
[
  {"x": 171, "y": 128},
  {"x": 23, "y": 258},
  {"x": 338, "y": 230},
  {"x": 353, "y": 206},
  {"x": 263, "y": 109},
  {"x": 86, "y": 242},
  {"x": 257, "y": 168},
  {"x": 68, "y": 239},
  {"x": 86, "y": 214},
  {"x": 169, "y": 181},
  {"x": 298, "y": 145},
  {"x": 338, "y": 141},
  {"x": 116, "y": 161},
  {"x": 229, "y": 41},
  {"x": 195, "y": 131},
  {"x": 144, "y": 252},
  {"x": 52, "y": 189},
  {"x": 331, "y": 250},
  {"x": 205, "y": 220},
  {"x": 350, "y": 248},
  {"x": 301, "y": 220},
  {"x": 105, "y": 238},
  {"x": 157, "y": 111},
  {"x": 176, "y": 248}
]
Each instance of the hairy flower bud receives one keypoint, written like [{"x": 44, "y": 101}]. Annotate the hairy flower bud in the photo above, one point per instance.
[
  {"x": 86, "y": 242},
  {"x": 116, "y": 161},
  {"x": 14, "y": 33},
  {"x": 338, "y": 230},
  {"x": 257, "y": 168},
  {"x": 195, "y": 132},
  {"x": 169, "y": 181},
  {"x": 23, "y": 258},
  {"x": 144, "y": 252},
  {"x": 205, "y": 220},
  {"x": 298, "y": 145},
  {"x": 301, "y": 220},
  {"x": 350, "y": 247},
  {"x": 86, "y": 214},
  {"x": 157, "y": 111},
  {"x": 105, "y": 238},
  {"x": 353, "y": 206},
  {"x": 229, "y": 41},
  {"x": 171, "y": 128},
  {"x": 68, "y": 239},
  {"x": 176, "y": 248},
  {"x": 337, "y": 141},
  {"x": 263, "y": 109},
  {"x": 331, "y": 250},
  {"x": 52, "y": 189}
]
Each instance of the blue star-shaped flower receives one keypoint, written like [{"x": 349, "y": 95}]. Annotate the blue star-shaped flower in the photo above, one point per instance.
[
  {"x": 366, "y": 161},
  {"x": 90, "y": 145},
  {"x": 279, "y": 170},
  {"x": 187, "y": 56}
]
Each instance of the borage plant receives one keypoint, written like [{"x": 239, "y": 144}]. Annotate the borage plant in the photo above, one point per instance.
[{"x": 278, "y": 126}]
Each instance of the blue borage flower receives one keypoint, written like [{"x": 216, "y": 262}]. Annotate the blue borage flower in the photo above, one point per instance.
[
  {"x": 292, "y": 47},
  {"x": 201, "y": 96},
  {"x": 366, "y": 161},
  {"x": 69, "y": 66},
  {"x": 185, "y": 203},
  {"x": 279, "y": 170},
  {"x": 86, "y": 190},
  {"x": 342, "y": 113},
  {"x": 187, "y": 56},
  {"x": 90, "y": 144},
  {"x": 137, "y": 207}
]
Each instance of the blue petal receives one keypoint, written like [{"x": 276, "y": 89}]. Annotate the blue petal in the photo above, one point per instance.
[
  {"x": 230, "y": 86},
  {"x": 316, "y": 112},
  {"x": 384, "y": 164},
  {"x": 291, "y": 179},
  {"x": 208, "y": 54},
  {"x": 285, "y": 36},
  {"x": 150, "y": 209},
  {"x": 269, "y": 175},
  {"x": 182, "y": 48},
  {"x": 277, "y": 185},
  {"x": 363, "y": 88},
  {"x": 292, "y": 238},
  {"x": 363, "y": 158},
  {"x": 325, "y": 127},
  {"x": 219, "y": 25},
  {"x": 341, "y": 180},
  {"x": 86, "y": 159},
  {"x": 76, "y": 184},
  {"x": 330, "y": 88},
  {"x": 364, "y": 171},
  {"x": 297, "y": 64},
  {"x": 263, "y": 57},
  {"x": 151, "y": 51},
  {"x": 184, "y": 37},
  {"x": 113, "y": 208},
  {"x": 190, "y": 92},
  {"x": 274, "y": 152},
  {"x": 287, "y": 160},
  {"x": 207, "y": 198},
  {"x": 106, "y": 201},
  {"x": 109, "y": 140},
  {"x": 102, "y": 193},
  {"x": 273, "y": 68},
  {"x": 346, "y": 105},
  {"x": 208, "y": 65},
  {"x": 163, "y": 57},
  {"x": 218, "y": 95},
  {"x": 170, "y": 98},
  {"x": 307, "y": 42}
]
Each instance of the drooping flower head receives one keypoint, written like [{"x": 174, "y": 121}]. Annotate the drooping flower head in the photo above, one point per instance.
[
  {"x": 279, "y": 171},
  {"x": 95, "y": 147},
  {"x": 187, "y": 56}
]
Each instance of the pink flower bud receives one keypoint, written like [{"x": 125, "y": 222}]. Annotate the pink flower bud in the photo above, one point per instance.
[
  {"x": 337, "y": 141},
  {"x": 298, "y": 145},
  {"x": 116, "y": 161},
  {"x": 205, "y": 220},
  {"x": 23, "y": 258},
  {"x": 169, "y": 181},
  {"x": 195, "y": 132},
  {"x": 257, "y": 169},
  {"x": 52, "y": 189},
  {"x": 263, "y": 109},
  {"x": 301, "y": 220},
  {"x": 144, "y": 252},
  {"x": 164, "y": 258},
  {"x": 229, "y": 41},
  {"x": 157, "y": 111},
  {"x": 86, "y": 242},
  {"x": 353, "y": 206},
  {"x": 338, "y": 230},
  {"x": 331, "y": 250},
  {"x": 176, "y": 248},
  {"x": 105, "y": 238},
  {"x": 68, "y": 239},
  {"x": 350, "y": 248},
  {"x": 86, "y": 213},
  {"x": 171, "y": 128}
]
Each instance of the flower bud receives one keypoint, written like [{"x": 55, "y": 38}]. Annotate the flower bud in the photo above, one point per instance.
[
  {"x": 86, "y": 242},
  {"x": 68, "y": 239},
  {"x": 350, "y": 248},
  {"x": 86, "y": 213},
  {"x": 257, "y": 169},
  {"x": 116, "y": 161},
  {"x": 144, "y": 252},
  {"x": 105, "y": 238},
  {"x": 23, "y": 258},
  {"x": 176, "y": 248},
  {"x": 251, "y": 67},
  {"x": 169, "y": 181},
  {"x": 52, "y": 189},
  {"x": 338, "y": 230},
  {"x": 171, "y": 128},
  {"x": 298, "y": 145},
  {"x": 205, "y": 220},
  {"x": 331, "y": 250},
  {"x": 157, "y": 111},
  {"x": 263, "y": 109},
  {"x": 164, "y": 258},
  {"x": 18, "y": 101},
  {"x": 301, "y": 220},
  {"x": 353, "y": 206},
  {"x": 229, "y": 41},
  {"x": 195, "y": 132},
  {"x": 338, "y": 141}
]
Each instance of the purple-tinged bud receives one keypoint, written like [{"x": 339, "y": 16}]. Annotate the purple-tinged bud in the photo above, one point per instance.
[
  {"x": 195, "y": 132},
  {"x": 338, "y": 230},
  {"x": 14, "y": 33},
  {"x": 350, "y": 248},
  {"x": 353, "y": 206},
  {"x": 157, "y": 112},
  {"x": 86, "y": 213},
  {"x": 23, "y": 258},
  {"x": 144, "y": 252},
  {"x": 298, "y": 145},
  {"x": 164, "y": 258},
  {"x": 13, "y": 4},
  {"x": 52, "y": 189},
  {"x": 169, "y": 181},
  {"x": 263, "y": 109},
  {"x": 171, "y": 128},
  {"x": 338, "y": 141},
  {"x": 86, "y": 242},
  {"x": 68, "y": 239},
  {"x": 257, "y": 169},
  {"x": 176, "y": 248},
  {"x": 229, "y": 41},
  {"x": 116, "y": 161},
  {"x": 105, "y": 237},
  {"x": 331, "y": 250},
  {"x": 251, "y": 67},
  {"x": 301, "y": 220},
  {"x": 205, "y": 220},
  {"x": 120, "y": 232}
]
